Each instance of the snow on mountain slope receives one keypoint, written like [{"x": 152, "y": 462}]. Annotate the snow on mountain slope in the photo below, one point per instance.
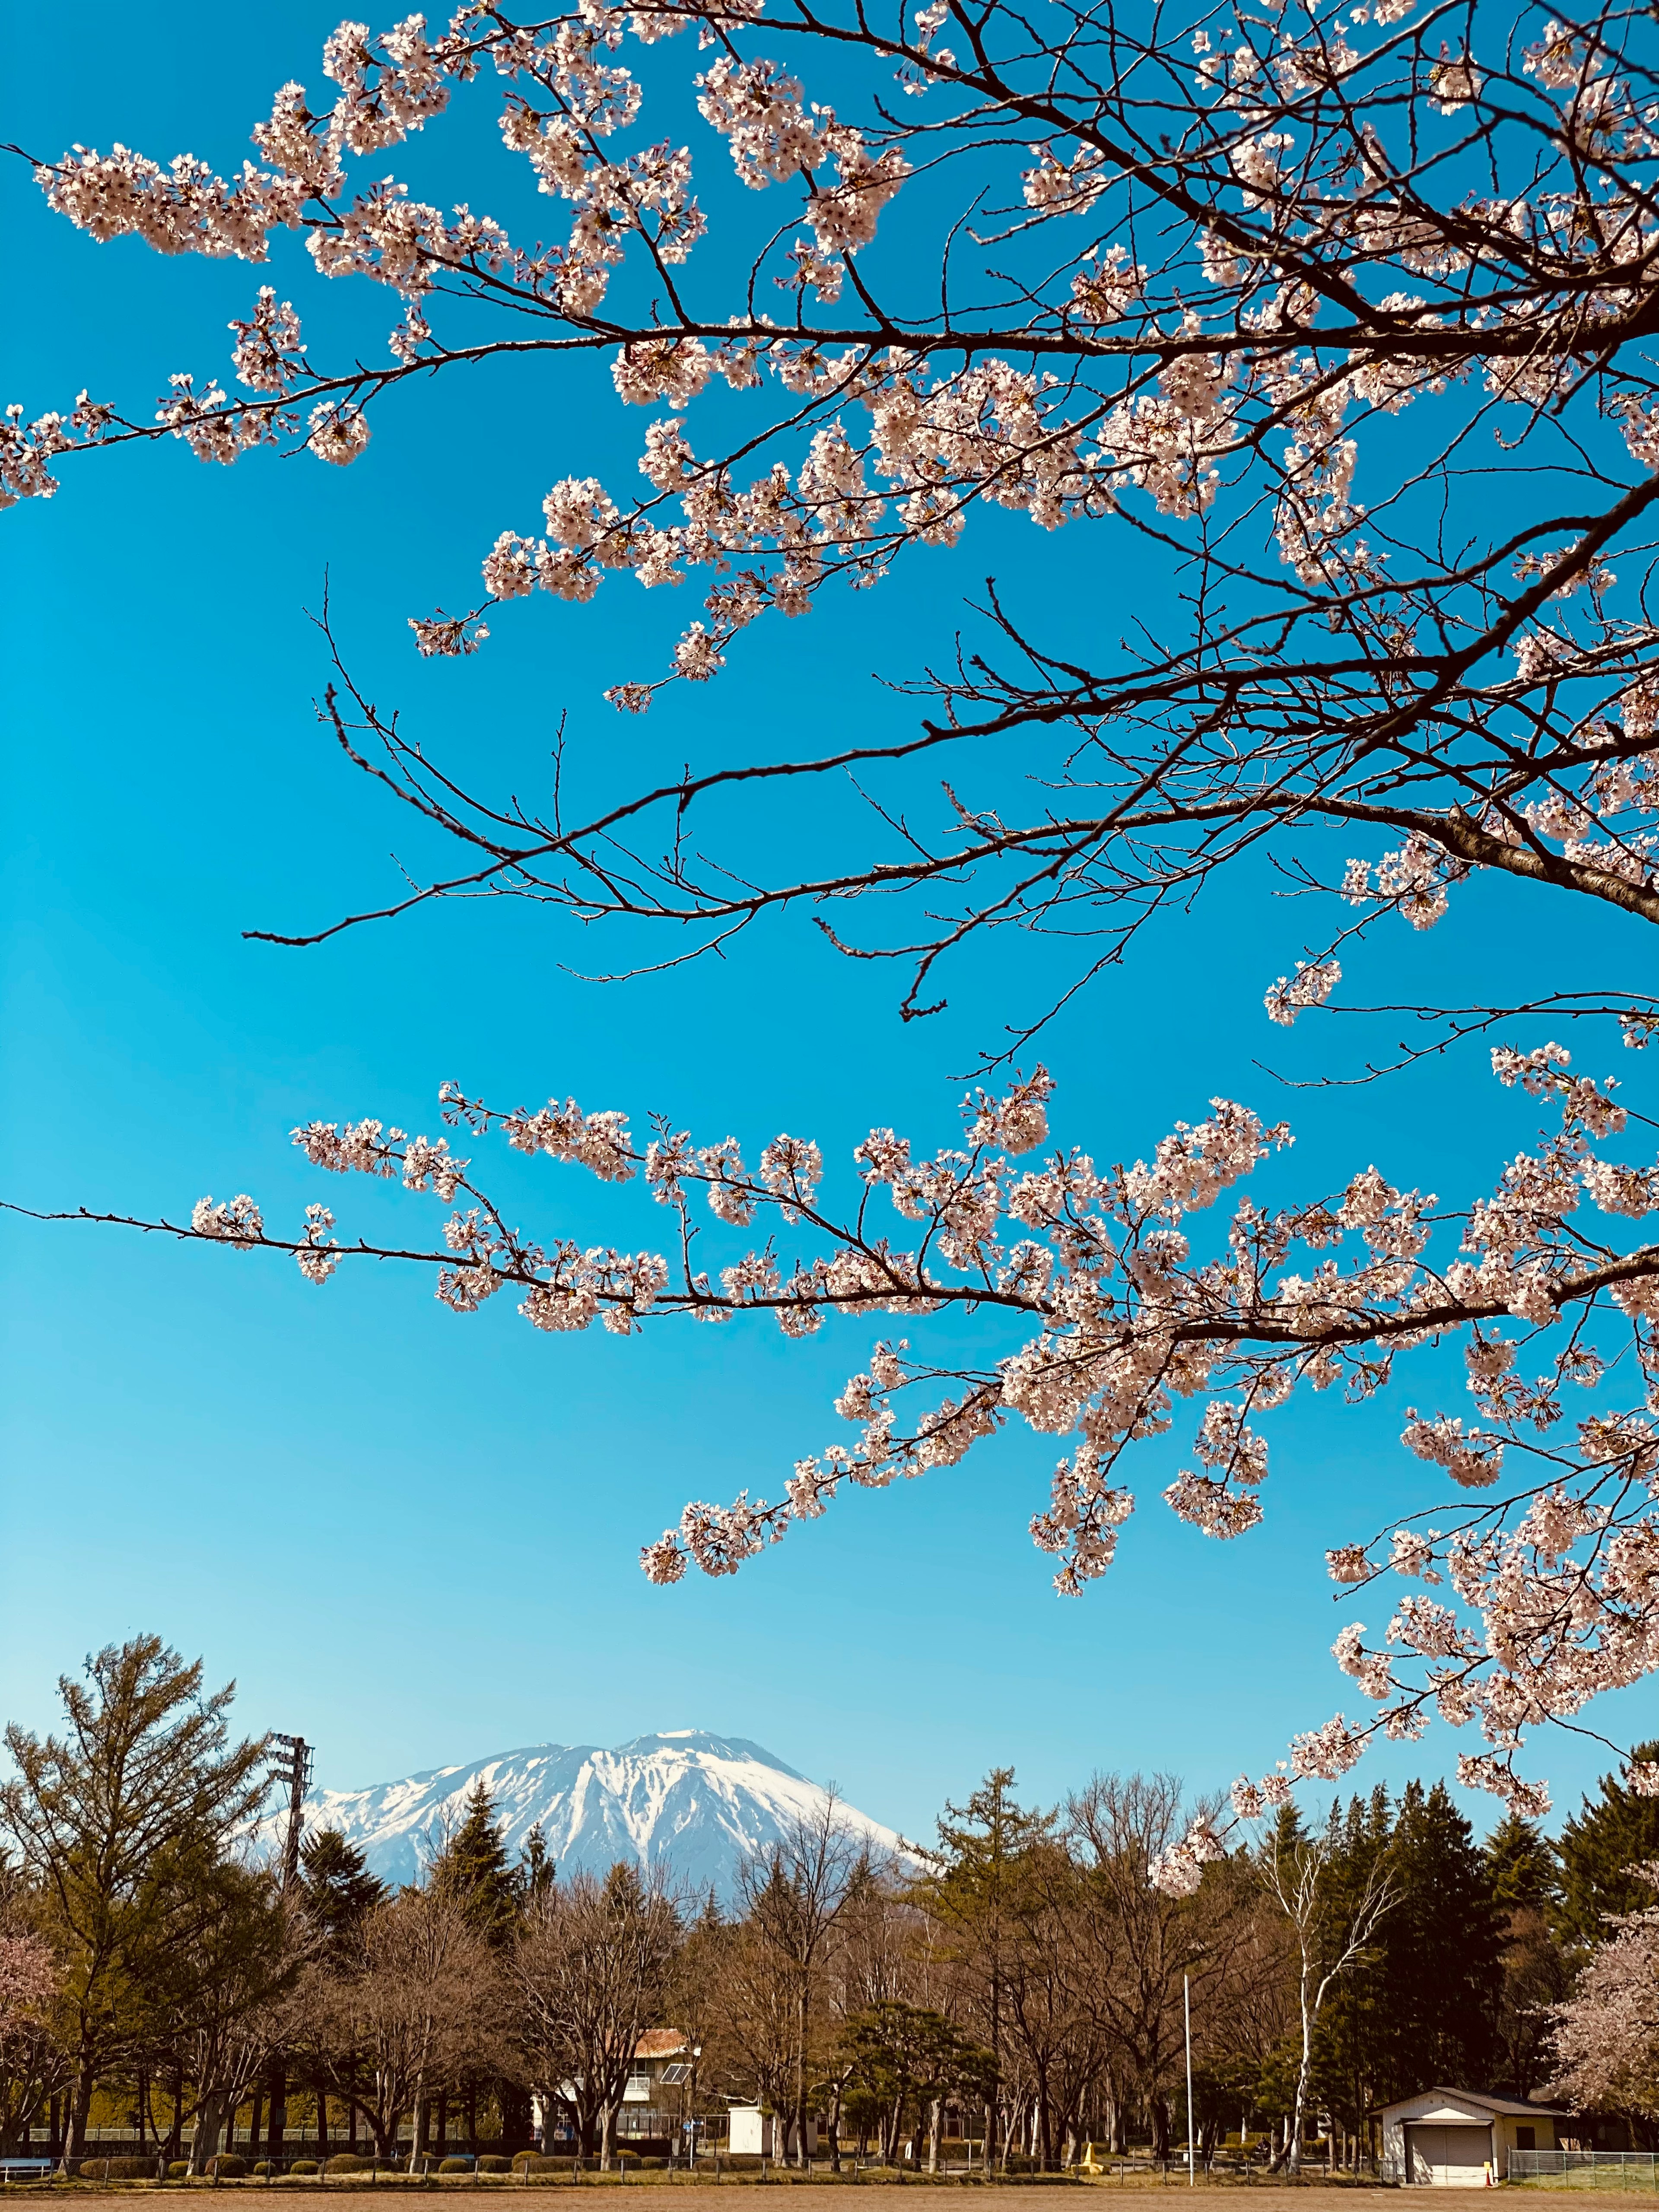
[{"x": 696, "y": 1804}]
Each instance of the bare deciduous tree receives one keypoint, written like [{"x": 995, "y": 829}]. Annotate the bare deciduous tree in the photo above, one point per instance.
[
  {"x": 588, "y": 1974},
  {"x": 1330, "y": 1934},
  {"x": 793, "y": 1896}
]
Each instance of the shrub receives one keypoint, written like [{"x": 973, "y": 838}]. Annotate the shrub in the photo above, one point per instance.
[
  {"x": 533, "y": 2162},
  {"x": 229, "y": 2165},
  {"x": 347, "y": 2161},
  {"x": 303, "y": 2165},
  {"x": 179, "y": 2170},
  {"x": 492, "y": 2164},
  {"x": 262, "y": 2168},
  {"x": 455, "y": 2165}
]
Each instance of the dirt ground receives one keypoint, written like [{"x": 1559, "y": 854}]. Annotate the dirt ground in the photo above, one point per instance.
[{"x": 888, "y": 2197}]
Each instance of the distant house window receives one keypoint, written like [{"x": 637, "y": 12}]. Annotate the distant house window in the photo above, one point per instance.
[
  {"x": 673, "y": 2075},
  {"x": 1525, "y": 2139}
]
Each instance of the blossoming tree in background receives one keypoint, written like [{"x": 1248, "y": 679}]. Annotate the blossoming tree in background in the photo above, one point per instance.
[{"x": 1166, "y": 291}]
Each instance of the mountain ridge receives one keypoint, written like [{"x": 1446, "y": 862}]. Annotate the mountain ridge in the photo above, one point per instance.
[{"x": 689, "y": 1801}]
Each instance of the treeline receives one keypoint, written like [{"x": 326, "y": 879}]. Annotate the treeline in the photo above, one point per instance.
[{"x": 1020, "y": 1985}]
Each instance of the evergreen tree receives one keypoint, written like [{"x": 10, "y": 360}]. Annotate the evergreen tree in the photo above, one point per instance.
[
  {"x": 115, "y": 1823},
  {"x": 1442, "y": 1973},
  {"x": 1526, "y": 1882},
  {"x": 1526, "y": 1874},
  {"x": 534, "y": 1872},
  {"x": 1599, "y": 1846},
  {"x": 337, "y": 1889},
  {"x": 974, "y": 1892},
  {"x": 473, "y": 1867}
]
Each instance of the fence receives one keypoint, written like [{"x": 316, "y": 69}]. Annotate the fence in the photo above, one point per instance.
[{"x": 1588, "y": 2169}]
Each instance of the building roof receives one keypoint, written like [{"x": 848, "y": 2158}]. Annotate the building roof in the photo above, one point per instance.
[
  {"x": 1520, "y": 2107},
  {"x": 660, "y": 2043}
]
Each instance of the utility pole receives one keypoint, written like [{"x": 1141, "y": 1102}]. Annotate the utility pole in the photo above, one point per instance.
[
  {"x": 293, "y": 1766},
  {"x": 1187, "y": 2014}
]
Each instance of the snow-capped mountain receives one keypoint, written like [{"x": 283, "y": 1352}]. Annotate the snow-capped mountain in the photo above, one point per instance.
[{"x": 693, "y": 1803}]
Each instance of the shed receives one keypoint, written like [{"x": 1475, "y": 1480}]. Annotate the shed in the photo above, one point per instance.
[
  {"x": 1461, "y": 2138},
  {"x": 766, "y": 2135}
]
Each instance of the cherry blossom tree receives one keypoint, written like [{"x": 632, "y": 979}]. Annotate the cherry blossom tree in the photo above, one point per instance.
[
  {"x": 1606, "y": 2034},
  {"x": 1118, "y": 275}
]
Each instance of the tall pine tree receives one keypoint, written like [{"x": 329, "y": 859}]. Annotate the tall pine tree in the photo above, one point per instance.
[
  {"x": 473, "y": 1867},
  {"x": 1443, "y": 1972},
  {"x": 337, "y": 1889},
  {"x": 1526, "y": 1885},
  {"x": 1599, "y": 1846},
  {"x": 1526, "y": 1874}
]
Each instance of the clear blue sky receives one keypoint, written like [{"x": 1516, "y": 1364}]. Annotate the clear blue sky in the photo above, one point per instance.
[{"x": 411, "y": 1537}]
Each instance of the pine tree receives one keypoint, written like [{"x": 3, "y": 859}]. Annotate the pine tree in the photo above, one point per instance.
[
  {"x": 1442, "y": 1974},
  {"x": 473, "y": 1867},
  {"x": 535, "y": 1869},
  {"x": 1599, "y": 1846},
  {"x": 973, "y": 1894},
  {"x": 1526, "y": 1880},
  {"x": 113, "y": 1823},
  {"x": 1526, "y": 1873},
  {"x": 337, "y": 1888}
]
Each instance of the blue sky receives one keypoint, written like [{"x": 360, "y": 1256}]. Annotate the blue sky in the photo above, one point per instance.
[{"x": 413, "y": 1538}]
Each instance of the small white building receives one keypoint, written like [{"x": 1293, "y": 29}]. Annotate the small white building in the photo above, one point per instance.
[
  {"x": 1461, "y": 2138},
  {"x": 759, "y": 2134}
]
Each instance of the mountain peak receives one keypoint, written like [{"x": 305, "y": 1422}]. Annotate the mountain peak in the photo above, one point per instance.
[{"x": 693, "y": 1803}]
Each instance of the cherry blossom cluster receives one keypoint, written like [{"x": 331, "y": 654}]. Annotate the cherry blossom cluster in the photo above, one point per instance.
[
  {"x": 29, "y": 1980},
  {"x": 1303, "y": 291},
  {"x": 1124, "y": 1300}
]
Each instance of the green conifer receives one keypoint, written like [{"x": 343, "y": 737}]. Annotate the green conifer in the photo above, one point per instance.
[{"x": 1599, "y": 1846}]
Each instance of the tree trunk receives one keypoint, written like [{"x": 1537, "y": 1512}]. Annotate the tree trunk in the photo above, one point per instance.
[
  {"x": 322, "y": 2124},
  {"x": 800, "y": 2072},
  {"x": 277, "y": 2124},
  {"x": 607, "y": 2135},
  {"x": 935, "y": 2115},
  {"x": 834, "y": 2127},
  {"x": 1302, "y": 2072},
  {"x": 80, "y": 2104},
  {"x": 1158, "y": 2111},
  {"x": 176, "y": 2124},
  {"x": 209, "y": 2126}
]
